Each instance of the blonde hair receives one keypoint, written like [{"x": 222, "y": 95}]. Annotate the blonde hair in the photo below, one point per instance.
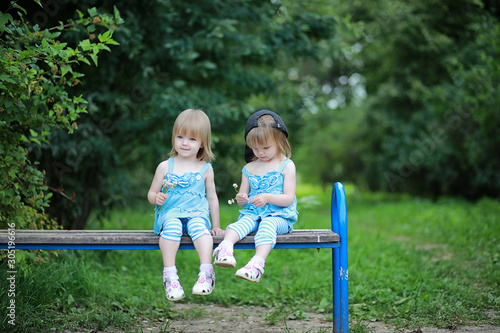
[
  {"x": 265, "y": 133},
  {"x": 194, "y": 123}
]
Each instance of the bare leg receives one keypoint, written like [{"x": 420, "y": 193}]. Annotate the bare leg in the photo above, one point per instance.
[
  {"x": 263, "y": 250},
  {"x": 168, "y": 250},
  {"x": 204, "y": 246},
  {"x": 231, "y": 236},
  {"x": 206, "y": 278},
  {"x": 173, "y": 289}
]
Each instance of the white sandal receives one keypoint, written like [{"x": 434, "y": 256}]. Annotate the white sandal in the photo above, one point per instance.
[
  {"x": 173, "y": 288},
  {"x": 205, "y": 284},
  {"x": 223, "y": 258},
  {"x": 250, "y": 272}
]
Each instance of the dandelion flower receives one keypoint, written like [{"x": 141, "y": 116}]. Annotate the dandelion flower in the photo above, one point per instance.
[
  {"x": 232, "y": 201},
  {"x": 167, "y": 185}
]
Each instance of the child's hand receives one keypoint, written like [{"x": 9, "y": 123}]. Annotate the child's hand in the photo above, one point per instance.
[
  {"x": 260, "y": 200},
  {"x": 216, "y": 231},
  {"x": 160, "y": 198},
  {"x": 241, "y": 198}
]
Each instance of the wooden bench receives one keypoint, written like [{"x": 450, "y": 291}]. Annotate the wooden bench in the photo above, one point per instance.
[{"x": 336, "y": 239}]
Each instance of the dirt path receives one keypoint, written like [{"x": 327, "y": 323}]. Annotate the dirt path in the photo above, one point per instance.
[{"x": 238, "y": 319}]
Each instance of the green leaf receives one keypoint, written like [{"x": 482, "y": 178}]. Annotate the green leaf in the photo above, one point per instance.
[
  {"x": 6, "y": 78},
  {"x": 65, "y": 69},
  {"x": 93, "y": 56},
  {"x": 33, "y": 133},
  {"x": 103, "y": 47},
  {"x": 118, "y": 18},
  {"x": 92, "y": 12},
  {"x": 4, "y": 18},
  {"x": 85, "y": 45},
  {"x": 36, "y": 141},
  {"x": 104, "y": 36},
  {"x": 112, "y": 42},
  {"x": 20, "y": 8},
  {"x": 85, "y": 60}
]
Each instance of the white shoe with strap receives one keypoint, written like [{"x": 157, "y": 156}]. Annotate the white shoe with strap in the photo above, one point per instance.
[
  {"x": 223, "y": 257},
  {"x": 205, "y": 284},
  {"x": 251, "y": 272},
  {"x": 173, "y": 288}
]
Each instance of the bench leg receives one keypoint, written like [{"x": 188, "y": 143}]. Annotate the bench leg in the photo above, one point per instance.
[
  {"x": 336, "y": 290},
  {"x": 344, "y": 279},
  {"x": 339, "y": 262}
]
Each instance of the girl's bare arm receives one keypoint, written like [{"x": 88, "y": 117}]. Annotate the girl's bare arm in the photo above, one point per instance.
[
  {"x": 213, "y": 202},
  {"x": 155, "y": 196}
]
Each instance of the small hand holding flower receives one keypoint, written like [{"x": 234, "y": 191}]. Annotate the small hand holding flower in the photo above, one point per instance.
[
  {"x": 241, "y": 198},
  {"x": 162, "y": 196}
]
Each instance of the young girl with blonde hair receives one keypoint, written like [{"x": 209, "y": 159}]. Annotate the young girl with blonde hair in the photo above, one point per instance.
[
  {"x": 183, "y": 190},
  {"x": 267, "y": 193}
]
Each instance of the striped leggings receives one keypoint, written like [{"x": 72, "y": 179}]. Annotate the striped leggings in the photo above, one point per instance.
[
  {"x": 173, "y": 228},
  {"x": 267, "y": 229}
]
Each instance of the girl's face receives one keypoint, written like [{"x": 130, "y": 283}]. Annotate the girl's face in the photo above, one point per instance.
[
  {"x": 187, "y": 146},
  {"x": 266, "y": 152}
]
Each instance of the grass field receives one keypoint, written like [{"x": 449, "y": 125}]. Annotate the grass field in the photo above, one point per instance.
[{"x": 412, "y": 262}]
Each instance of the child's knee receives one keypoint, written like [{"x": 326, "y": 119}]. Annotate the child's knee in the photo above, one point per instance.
[
  {"x": 197, "y": 229},
  {"x": 172, "y": 230},
  {"x": 265, "y": 233},
  {"x": 243, "y": 227},
  {"x": 262, "y": 238}
]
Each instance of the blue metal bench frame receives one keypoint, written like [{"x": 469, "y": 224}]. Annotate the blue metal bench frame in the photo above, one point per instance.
[{"x": 338, "y": 246}]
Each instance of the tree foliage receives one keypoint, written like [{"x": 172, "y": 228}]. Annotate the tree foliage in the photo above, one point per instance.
[
  {"x": 38, "y": 73},
  {"x": 213, "y": 55},
  {"x": 429, "y": 123}
]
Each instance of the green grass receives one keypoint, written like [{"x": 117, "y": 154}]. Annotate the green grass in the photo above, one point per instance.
[{"x": 412, "y": 262}]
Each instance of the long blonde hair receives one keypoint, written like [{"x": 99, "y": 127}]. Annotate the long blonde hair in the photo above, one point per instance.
[
  {"x": 196, "y": 124},
  {"x": 264, "y": 133}
]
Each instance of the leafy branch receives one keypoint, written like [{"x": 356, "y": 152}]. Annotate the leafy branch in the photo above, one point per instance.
[{"x": 37, "y": 72}]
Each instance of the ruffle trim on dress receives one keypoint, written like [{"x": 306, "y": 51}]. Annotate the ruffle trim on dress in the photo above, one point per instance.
[
  {"x": 262, "y": 183},
  {"x": 288, "y": 213},
  {"x": 186, "y": 180},
  {"x": 180, "y": 192}
]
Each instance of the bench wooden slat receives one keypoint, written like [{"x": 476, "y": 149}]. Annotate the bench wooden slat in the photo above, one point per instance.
[{"x": 147, "y": 237}]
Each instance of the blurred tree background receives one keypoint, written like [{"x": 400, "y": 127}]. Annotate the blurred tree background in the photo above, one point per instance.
[
  {"x": 389, "y": 95},
  {"x": 412, "y": 100}
]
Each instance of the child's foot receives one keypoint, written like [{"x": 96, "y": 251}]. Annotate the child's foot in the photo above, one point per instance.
[
  {"x": 224, "y": 257},
  {"x": 173, "y": 288},
  {"x": 205, "y": 284},
  {"x": 251, "y": 271}
]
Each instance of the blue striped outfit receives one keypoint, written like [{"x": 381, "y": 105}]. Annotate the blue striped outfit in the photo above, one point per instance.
[
  {"x": 186, "y": 209},
  {"x": 269, "y": 220}
]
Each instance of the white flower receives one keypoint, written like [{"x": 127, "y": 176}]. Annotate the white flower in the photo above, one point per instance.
[
  {"x": 167, "y": 185},
  {"x": 232, "y": 201}
]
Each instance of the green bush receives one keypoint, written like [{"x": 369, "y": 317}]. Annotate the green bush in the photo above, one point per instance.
[{"x": 38, "y": 72}]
